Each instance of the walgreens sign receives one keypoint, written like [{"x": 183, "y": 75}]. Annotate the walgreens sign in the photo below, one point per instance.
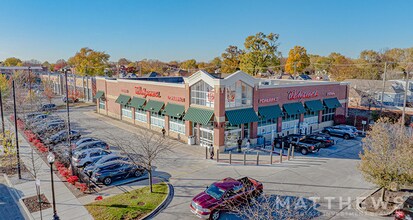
[
  {"x": 142, "y": 91},
  {"x": 299, "y": 94}
]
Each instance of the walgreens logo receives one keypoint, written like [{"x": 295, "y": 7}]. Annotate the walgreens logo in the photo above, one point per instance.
[
  {"x": 299, "y": 94},
  {"x": 142, "y": 91}
]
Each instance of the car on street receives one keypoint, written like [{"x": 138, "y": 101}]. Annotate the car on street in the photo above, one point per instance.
[
  {"x": 115, "y": 170},
  {"x": 62, "y": 136},
  {"x": 48, "y": 107},
  {"x": 405, "y": 212},
  {"x": 215, "y": 199},
  {"x": 92, "y": 144},
  {"x": 88, "y": 156},
  {"x": 108, "y": 158},
  {"x": 323, "y": 138},
  {"x": 344, "y": 131}
]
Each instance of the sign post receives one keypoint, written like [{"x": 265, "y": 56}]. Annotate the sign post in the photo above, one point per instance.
[{"x": 363, "y": 123}]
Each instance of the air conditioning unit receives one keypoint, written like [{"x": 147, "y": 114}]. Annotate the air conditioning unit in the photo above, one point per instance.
[{"x": 266, "y": 83}]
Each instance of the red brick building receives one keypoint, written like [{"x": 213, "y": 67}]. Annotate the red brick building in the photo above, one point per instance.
[{"x": 219, "y": 110}]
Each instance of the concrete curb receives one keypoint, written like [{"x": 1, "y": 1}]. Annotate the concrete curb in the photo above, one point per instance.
[
  {"x": 374, "y": 214},
  {"x": 18, "y": 200},
  {"x": 163, "y": 205}
]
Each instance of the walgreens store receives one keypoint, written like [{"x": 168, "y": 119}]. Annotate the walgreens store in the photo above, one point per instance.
[{"x": 217, "y": 110}]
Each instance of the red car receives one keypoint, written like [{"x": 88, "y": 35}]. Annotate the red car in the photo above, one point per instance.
[{"x": 217, "y": 197}]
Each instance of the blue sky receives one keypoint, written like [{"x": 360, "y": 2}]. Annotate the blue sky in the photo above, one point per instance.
[{"x": 185, "y": 29}]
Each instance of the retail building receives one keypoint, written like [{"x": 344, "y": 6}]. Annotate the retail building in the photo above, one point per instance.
[{"x": 218, "y": 110}]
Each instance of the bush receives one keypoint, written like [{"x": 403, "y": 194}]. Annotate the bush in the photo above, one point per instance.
[
  {"x": 81, "y": 186},
  {"x": 72, "y": 179}
]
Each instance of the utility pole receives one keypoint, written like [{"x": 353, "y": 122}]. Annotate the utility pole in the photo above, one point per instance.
[
  {"x": 384, "y": 84},
  {"x": 16, "y": 132},
  {"x": 405, "y": 98},
  {"x": 2, "y": 114},
  {"x": 68, "y": 123}
]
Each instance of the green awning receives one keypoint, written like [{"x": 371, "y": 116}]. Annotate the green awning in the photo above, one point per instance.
[
  {"x": 314, "y": 105},
  {"x": 99, "y": 94},
  {"x": 198, "y": 115},
  {"x": 123, "y": 99},
  {"x": 270, "y": 112},
  {"x": 174, "y": 110},
  {"x": 241, "y": 116},
  {"x": 332, "y": 103},
  {"x": 295, "y": 108},
  {"x": 153, "y": 106},
  {"x": 137, "y": 102}
]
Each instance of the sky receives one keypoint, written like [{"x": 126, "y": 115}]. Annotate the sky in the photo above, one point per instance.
[{"x": 200, "y": 29}]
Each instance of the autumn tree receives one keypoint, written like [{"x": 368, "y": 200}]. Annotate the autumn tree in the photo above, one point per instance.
[
  {"x": 297, "y": 60},
  {"x": 146, "y": 66},
  {"x": 4, "y": 86},
  {"x": 189, "y": 64},
  {"x": 386, "y": 158},
  {"x": 261, "y": 51},
  {"x": 123, "y": 62},
  {"x": 60, "y": 64},
  {"x": 341, "y": 67},
  {"x": 88, "y": 62},
  {"x": 319, "y": 63},
  {"x": 12, "y": 61},
  {"x": 48, "y": 90},
  {"x": 231, "y": 59}
]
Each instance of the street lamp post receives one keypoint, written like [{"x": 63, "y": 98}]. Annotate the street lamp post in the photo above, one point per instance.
[
  {"x": 68, "y": 122},
  {"x": 50, "y": 159}
]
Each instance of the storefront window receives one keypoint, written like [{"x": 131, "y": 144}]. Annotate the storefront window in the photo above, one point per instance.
[
  {"x": 140, "y": 115},
  {"x": 290, "y": 122},
  {"x": 126, "y": 111},
  {"x": 232, "y": 134},
  {"x": 311, "y": 117},
  {"x": 177, "y": 125},
  {"x": 238, "y": 94},
  {"x": 202, "y": 94},
  {"x": 102, "y": 104},
  {"x": 267, "y": 126},
  {"x": 328, "y": 114},
  {"x": 157, "y": 120}
]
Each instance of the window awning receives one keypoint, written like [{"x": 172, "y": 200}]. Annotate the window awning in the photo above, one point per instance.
[
  {"x": 332, "y": 103},
  {"x": 295, "y": 108},
  {"x": 270, "y": 112},
  {"x": 153, "y": 106},
  {"x": 314, "y": 105},
  {"x": 174, "y": 110},
  {"x": 137, "y": 102},
  {"x": 99, "y": 94},
  {"x": 198, "y": 115},
  {"x": 241, "y": 116},
  {"x": 123, "y": 99}
]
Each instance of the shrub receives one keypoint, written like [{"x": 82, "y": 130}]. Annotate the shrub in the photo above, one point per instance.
[
  {"x": 81, "y": 186},
  {"x": 72, "y": 180}
]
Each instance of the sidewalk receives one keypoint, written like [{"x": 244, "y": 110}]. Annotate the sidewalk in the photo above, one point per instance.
[{"x": 67, "y": 205}]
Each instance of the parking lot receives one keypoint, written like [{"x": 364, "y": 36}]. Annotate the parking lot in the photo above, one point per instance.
[{"x": 330, "y": 175}]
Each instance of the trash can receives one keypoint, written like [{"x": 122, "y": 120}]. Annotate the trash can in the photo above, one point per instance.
[{"x": 191, "y": 140}]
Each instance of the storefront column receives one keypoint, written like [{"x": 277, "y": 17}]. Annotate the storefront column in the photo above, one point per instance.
[
  {"x": 254, "y": 125},
  {"x": 253, "y": 130},
  {"x": 242, "y": 131},
  {"x": 167, "y": 124},
  {"x": 188, "y": 128},
  {"x": 148, "y": 118},
  {"x": 320, "y": 117},
  {"x": 133, "y": 115},
  {"x": 219, "y": 118},
  {"x": 279, "y": 124},
  {"x": 301, "y": 118},
  {"x": 219, "y": 135}
]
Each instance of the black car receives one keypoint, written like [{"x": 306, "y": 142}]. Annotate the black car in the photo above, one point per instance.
[
  {"x": 92, "y": 144},
  {"x": 103, "y": 160},
  {"x": 325, "y": 139},
  {"x": 49, "y": 128},
  {"x": 115, "y": 170},
  {"x": 302, "y": 145},
  {"x": 406, "y": 210},
  {"x": 62, "y": 136},
  {"x": 48, "y": 107}
]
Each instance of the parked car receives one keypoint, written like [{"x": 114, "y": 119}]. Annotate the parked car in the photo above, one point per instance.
[
  {"x": 64, "y": 99},
  {"x": 88, "y": 156},
  {"x": 45, "y": 121},
  {"x": 49, "y": 127},
  {"x": 111, "y": 157},
  {"x": 323, "y": 138},
  {"x": 211, "y": 202},
  {"x": 92, "y": 144},
  {"x": 41, "y": 119},
  {"x": 302, "y": 145},
  {"x": 115, "y": 170},
  {"x": 405, "y": 212},
  {"x": 344, "y": 131},
  {"x": 82, "y": 141},
  {"x": 48, "y": 107},
  {"x": 32, "y": 115},
  {"x": 62, "y": 136}
]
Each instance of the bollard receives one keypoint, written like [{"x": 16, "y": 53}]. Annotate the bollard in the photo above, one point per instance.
[
  {"x": 271, "y": 158},
  {"x": 258, "y": 158},
  {"x": 288, "y": 153},
  {"x": 292, "y": 152},
  {"x": 281, "y": 152},
  {"x": 218, "y": 155},
  {"x": 206, "y": 153},
  {"x": 230, "y": 157},
  {"x": 245, "y": 157}
]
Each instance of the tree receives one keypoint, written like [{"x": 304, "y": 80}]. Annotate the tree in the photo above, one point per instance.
[
  {"x": 9, "y": 149},
  {"x": 144, "y": 148},
  {"x": 48, "y": 91},
  {"x": 147, "y": 66},
  {"x": 46, "y": 64},
  {"x": 123, "y": 62},
  {"x": 386, "y": 158},
  {"x": 341, "y": 67},
  {"x": 88, "y": 62},
  {"x": 216, "y": 62},
  {"x": 4, "y": 86},
  {"x": 60, "y": 64},
  {"x": 189, "y": 64},
  {"x": 260, "y": 53},
  {"x": 231, "y": 59},
  {"x": 297, "y": 60},
  {"x": 12, "y": 61}
]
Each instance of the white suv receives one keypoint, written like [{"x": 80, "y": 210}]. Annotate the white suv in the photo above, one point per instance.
[{"x": 88, "y": 156}]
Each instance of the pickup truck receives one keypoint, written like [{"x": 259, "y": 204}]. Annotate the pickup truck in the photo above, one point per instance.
[
  {"x": 221, "y": 195},
  {"x": 300, "y": 143}
]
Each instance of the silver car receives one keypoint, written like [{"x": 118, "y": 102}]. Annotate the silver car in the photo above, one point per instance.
[
  {"x": 86, "y": 157},
  {"x": 344, "y": 131}
]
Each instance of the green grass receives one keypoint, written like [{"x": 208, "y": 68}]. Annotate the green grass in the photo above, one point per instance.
[{"x": 132, "y": 205}]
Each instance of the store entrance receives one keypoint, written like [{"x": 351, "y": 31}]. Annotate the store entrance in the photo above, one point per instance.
[{"x": 204, "y": 135}]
